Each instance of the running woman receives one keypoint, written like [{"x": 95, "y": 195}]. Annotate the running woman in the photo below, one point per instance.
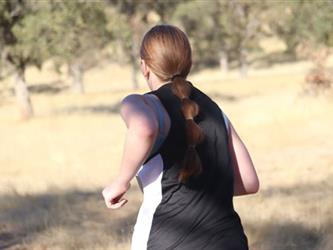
[{"x": 184, "y": 152}]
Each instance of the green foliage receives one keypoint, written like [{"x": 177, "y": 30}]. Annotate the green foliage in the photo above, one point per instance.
[
  {"x": 79, "y": 30},
  {"x": 121, "y": 34},
  {"x": 301, "y": 21},
  {"x": 33, "y": 31},
  {"x": 129, "y": 19},
  {"x": 25, "y": 32},
  {"x": 74, "y": 31},
  {"x": 197, "y": 18},
  {"x": 217, "y": 27}
]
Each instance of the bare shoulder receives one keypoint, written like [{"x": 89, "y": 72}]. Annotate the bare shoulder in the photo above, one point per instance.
[
  {"x": 132, "y": 99},
  {"x": 133, "y": 102},
  {"x": 134, "y": 109},
  {"x": 138, "y": 102}
]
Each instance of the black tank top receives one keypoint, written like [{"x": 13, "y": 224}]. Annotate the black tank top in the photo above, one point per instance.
[{"x": 200, "y": 213}]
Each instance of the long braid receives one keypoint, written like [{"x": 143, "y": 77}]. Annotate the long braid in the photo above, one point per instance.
[
  {"x": 191, "y": 163},
  {"x": 167, "y": 50}
]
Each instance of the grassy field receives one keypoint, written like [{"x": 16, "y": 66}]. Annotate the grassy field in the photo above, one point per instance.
[{"x": 53, "y": 167}]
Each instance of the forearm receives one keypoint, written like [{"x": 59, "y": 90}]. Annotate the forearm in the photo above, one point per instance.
[{"x": 136, "y": 149}]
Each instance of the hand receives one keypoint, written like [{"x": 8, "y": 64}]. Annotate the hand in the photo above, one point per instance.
[{"x": 113, "y": 194}]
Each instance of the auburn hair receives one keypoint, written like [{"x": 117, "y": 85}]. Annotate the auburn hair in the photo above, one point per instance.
[{"x": 167, "y": 52}]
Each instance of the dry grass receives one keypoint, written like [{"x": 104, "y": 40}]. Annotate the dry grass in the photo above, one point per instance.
[{"x": 53, "y": 167}]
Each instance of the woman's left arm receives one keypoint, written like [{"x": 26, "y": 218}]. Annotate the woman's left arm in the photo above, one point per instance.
[
  {"x": 142, "y": 127},
  {"x": 246, "y": 180}
]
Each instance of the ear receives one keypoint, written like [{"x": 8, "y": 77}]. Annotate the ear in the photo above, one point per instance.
[{"x": 145, "y": 69}]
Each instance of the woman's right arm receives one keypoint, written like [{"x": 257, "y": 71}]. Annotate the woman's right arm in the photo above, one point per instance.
[
  {"x": 142, "y": 129},
  {"x": 245, "y": 177}
]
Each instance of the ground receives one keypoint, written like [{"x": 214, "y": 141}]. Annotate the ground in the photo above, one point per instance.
[{"x": 54, "y": 166}]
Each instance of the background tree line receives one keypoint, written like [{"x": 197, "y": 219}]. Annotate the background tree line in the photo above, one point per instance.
[{"x": 81, "y": 34}]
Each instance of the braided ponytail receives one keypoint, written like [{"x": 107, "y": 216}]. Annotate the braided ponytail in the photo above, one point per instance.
[
  {"x": 166, "y": 50},
  {"x": 194, "y": 134}
]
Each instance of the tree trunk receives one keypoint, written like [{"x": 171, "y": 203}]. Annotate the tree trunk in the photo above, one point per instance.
[
  {"x": 76, "y": 73},
  {"x": 22, "y": 95},
  {"x": 224, "y": 65},
  {"x": 134, "y": 63},
  {"x": 4, "y": 66},
  {"x": 136, "y": 31},
  {"x": 2, "y": 62},
  {"x": 243, "y": 62}
]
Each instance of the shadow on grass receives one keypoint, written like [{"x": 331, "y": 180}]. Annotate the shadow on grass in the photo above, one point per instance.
[
  {"x": 50, "y": 88},
  {"x": 114, "y": 108},
  {"x": 295, "y": 235},
  {"x": 286, "y": 236},
  {"x": 217, "y": 96},
  {"x": 222, "y": 97},
  {"x": 269, "y": 60},
  {"x": 318, "y": 191},
  {"x": 67, "y": 219},
  {"x": 95, "y": 109},
  {"x": 76, "y": 219}
]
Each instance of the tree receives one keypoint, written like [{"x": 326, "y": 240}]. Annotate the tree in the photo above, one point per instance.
[
  {"x": 307, "y": 29},
  {"x": 222, "y": 30},
  {"x": 244, "y": 24},
  {"x": 130, "y": 19},
  {"x": 196, "y": 19},
  {"x": 24, "y": 40},
  {"x": 80, "y": 34},
  {"x": 299, "y": 21}
]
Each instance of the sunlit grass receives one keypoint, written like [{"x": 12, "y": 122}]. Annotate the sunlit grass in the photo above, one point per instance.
[{"x": 53, "y": 167}]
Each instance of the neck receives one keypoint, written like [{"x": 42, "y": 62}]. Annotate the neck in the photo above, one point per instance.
[{"x": 155, "y": 82}]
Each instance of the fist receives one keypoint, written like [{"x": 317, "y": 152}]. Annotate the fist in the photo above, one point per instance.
[{"x": 113, "y": 194}]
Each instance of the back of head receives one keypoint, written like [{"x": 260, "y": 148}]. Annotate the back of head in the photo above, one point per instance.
[{"x": 167, "y": 52}]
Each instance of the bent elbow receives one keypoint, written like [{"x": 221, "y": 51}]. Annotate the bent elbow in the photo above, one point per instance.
[{"x": 147, "y": 132}]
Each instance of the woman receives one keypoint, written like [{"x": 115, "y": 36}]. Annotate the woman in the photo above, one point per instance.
[{"x": 187, "y": 156}]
